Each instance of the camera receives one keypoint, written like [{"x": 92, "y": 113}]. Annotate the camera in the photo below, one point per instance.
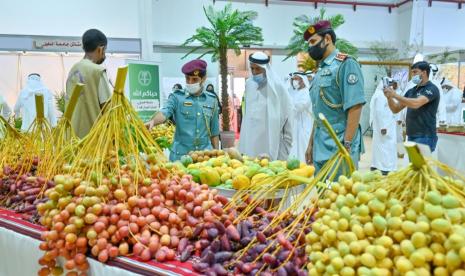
[{"x": 387, "y": 82}]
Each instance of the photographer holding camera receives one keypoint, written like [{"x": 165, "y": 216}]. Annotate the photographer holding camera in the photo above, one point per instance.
[{"x": 421, "y": 102}]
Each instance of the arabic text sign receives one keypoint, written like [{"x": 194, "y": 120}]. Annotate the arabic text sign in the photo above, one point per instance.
[
  {"x": 144, "y": 89},
  {"x": 53, "y": 44}
]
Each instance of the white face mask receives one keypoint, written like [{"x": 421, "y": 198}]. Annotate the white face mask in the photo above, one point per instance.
[
  {"x": 193, "y": 88},
  {"x": 296, "y": 84}
]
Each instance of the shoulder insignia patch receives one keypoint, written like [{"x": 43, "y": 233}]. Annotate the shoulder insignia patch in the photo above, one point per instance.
[
  {"x": 341, "y": 56},
  {"x": 352, "y": 79}
]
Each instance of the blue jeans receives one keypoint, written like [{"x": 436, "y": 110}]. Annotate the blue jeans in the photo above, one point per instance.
[{"x": 431, "y": 142}]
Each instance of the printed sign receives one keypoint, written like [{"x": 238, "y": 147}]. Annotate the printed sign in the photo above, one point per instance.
[{"x": 144, "y": 88}]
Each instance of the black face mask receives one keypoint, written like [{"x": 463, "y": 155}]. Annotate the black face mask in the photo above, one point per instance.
[{"x": 316, "y": 52}]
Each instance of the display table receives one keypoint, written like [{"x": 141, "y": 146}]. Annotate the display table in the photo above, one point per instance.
[
  {"x": 451, "y": 150},
  {"x": 19, "y": 254}
]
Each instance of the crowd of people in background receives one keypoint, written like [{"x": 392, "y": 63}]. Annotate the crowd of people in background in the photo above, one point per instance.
[
  {"x": 278, "y": 118},
  {"x": 427, "y": 102}
]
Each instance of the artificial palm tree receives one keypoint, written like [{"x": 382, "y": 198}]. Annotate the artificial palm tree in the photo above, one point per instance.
[
  {"x": 229, "y": 29},
  {"x": 297, "y": 44}
]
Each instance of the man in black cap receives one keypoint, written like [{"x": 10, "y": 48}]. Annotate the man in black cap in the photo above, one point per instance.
[
  {"x": 337, "y": 92},
  {"x": 422, "y": 103}
]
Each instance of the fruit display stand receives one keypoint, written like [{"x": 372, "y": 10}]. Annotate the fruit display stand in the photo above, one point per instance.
[
  {"x": 19, "y": 243},
  {"x": 451, "y": 149}
]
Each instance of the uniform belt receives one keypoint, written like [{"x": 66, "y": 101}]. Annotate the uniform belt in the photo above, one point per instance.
[{"x": 193, "y": 141}]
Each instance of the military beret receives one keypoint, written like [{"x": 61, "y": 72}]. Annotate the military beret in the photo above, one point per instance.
[
  {"x": 196, "y": 67},
  {"x": 318, "y": 28}
]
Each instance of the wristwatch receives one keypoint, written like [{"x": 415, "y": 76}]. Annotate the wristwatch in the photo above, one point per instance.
[{"x": 347, "y": 145}]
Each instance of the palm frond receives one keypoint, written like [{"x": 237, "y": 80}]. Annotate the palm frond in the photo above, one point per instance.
[
  {"x": 297, "y": 44},
  {"x": 228, "y": 29}
]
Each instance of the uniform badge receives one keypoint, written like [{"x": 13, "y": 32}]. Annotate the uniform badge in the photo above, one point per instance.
[
  {"x": 311, "y": 30},
  {"x": 428, "y": 92},
  {"x": 187, "y": 104},
  {"x": 326, "y": 72},
  {"x": 352, "y": 79}
]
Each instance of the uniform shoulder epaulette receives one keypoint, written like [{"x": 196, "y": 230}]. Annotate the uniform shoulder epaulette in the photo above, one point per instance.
[
  {"x": 211, "y": 94},
  {"x": 341, "y": 56},
  {"x": 179, "y": 92}
]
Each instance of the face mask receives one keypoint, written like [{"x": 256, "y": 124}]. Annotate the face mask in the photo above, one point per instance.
[
  {"x": 296, "y": 84},
  {"x": 193, "y": 88},
  {"x": 316, "y": 52},
  {"x": 260, "y": 78},
  {"x": 416, "y": 79}
]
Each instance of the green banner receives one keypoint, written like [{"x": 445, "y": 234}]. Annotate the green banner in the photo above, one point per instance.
[{"x": 144, "y": 88}]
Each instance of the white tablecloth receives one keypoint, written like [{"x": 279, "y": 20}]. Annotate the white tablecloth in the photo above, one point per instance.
[
  {"x": 19, "y": 255},
  {"x": 451, "y": 150}
]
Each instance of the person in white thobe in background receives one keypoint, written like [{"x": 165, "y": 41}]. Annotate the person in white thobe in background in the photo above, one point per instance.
[
  {"x": 303, "y": 118},
  {"x": 436, "y": 79},
  {"x": 453, "y": 102},
  {"x": 384, "y": 133},
  {"x": 26, "y": 103},
  {"x": 400, "y": 124},
  {"x": 5, "y": 110},
  {"x": 267, "y": 120}
]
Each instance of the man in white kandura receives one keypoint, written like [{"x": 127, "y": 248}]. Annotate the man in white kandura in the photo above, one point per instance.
[
  {"x": 26, "y": 104},
  {"x": 267, "y": 122},
  {"x": 453, "y": 101},
  {"x": 303, "y": 117},
  {"x": 400, "y": 123},
  {"x": 384, "y": 133}
]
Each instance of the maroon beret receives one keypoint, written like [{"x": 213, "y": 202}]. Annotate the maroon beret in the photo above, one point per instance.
[
  {"x": 196, "y": 67},
  {"x": 319, "y": 27}
]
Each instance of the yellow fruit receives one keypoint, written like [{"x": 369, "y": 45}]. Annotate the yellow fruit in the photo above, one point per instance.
[
  {"x": 452, "y": 260},
  {"x": 217, "y": 162},
  {"x": 459, "y": 272},
  {"x": 209, "y": 176},
  {"x": 440, "y": 225},
  {"x": 264, "y": 162},
  {"x": 404, "y": 265},
  {"x": 418, "y": 239},
  {"x": 408, "y": 227},
  {"x": 306, "y": 171},
  {"x": 417, "y": 259},
  {"x": 225, "y": 176},
  {"x": 462, "y": 254},
  {"x": 368, "y": 260},
  {"x": 258, "y": 177},
  {"x": 235, "y": 163},
  {"x": 439, "y": 259},
  {"x": 385, "y": 263},
  {"x": 440, "y": 271},
  {"x": 347, "y": 271},
  {"x": 350, "y": 260},
  {"x": 241, "y": 182}
]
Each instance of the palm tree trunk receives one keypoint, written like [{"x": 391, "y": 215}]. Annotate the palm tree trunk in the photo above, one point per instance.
[{"x": 224, "y": 88}]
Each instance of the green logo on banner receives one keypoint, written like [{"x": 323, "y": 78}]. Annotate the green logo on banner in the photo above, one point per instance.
[{"x": 144, "y": 89}]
